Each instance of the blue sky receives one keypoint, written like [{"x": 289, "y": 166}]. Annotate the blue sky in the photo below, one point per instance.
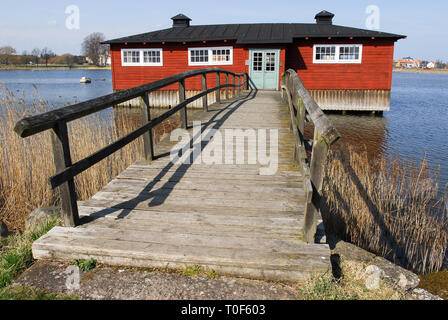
[{"x": 29, "y": 24}]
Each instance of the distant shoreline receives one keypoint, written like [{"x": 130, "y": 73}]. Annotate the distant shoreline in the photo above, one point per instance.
[
  {"x": 431, "y": 71},
  {"x": 12, "y": 68}
]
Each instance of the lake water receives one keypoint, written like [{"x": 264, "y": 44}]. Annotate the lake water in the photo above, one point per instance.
[
  {"x": 416, "y": 127},
  {"x": 58, "y": 86}
]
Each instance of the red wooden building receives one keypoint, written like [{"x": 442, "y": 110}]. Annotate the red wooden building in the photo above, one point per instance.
[{"x": 345, "y": 68}]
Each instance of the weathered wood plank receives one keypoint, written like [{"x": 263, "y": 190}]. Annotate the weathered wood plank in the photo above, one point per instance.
[
  {"x": 148, "y": 148},
  {"x": 326, "y": 129},
  {"x": 204, "y": 88},
  {"x": 318, "y": 160},
  {"x": 294, "y": 190},
  {"x": 62, "y": 160},
  {"x": 286, "y": 220},
  {"x": 188, "y": 254},
  {"x": 183, "y": 112}
]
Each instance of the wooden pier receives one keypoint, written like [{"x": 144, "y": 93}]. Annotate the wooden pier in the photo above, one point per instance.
[{"x": 225, "y": 217}]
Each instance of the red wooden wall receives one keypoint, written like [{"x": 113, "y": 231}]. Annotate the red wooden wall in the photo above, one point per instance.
[
  {"x": 375, "y": 71},
  {"x": 175, "y": 60}
]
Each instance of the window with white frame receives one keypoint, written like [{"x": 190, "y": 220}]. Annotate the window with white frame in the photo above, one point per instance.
[
  {"x": 142, "y": 57},
  {"x": 198, "y": 56},
  {"x": 210, "y": 56},
  {"x": 337, "y": 53}
]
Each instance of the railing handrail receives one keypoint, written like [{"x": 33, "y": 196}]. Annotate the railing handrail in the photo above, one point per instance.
[
  {"x": 302, "y": 105},
  {"x": 326, "y": 129},
  {"x": 32, "y": 125},
  {"x": 57, "y": 120}
]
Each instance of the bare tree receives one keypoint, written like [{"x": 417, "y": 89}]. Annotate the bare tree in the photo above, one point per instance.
[
  {"x": 440, "y": 64},
  {"x": 67, "y": 59},
  {"x": 36, "y": 54},
  {"x": 46, "y": 54},
  {"x": 5, "y": 54},
  {"x": 25, "y": 58},
  {"x": 94, "y": 50}
]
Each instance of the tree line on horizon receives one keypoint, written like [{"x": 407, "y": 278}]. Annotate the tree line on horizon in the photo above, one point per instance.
[{"x": 91, "y": 48}]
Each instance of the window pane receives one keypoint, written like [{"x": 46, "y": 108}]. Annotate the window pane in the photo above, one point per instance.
[
  {"x": 220, "y": 55},
  {"x": 213, "y": 55},
  {"x": 325, "y": 53},
  {"x": 349, "y": 53},
  {"x": 199, "y": 55},
  {"x": 270, "y": 61},
  {"x": 151, "y": 56}
]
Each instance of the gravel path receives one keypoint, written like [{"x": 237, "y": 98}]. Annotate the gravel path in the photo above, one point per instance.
[{"x": 111, "y": 283}]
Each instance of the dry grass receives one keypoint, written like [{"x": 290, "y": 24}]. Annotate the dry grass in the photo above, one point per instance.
[
  {"x": 351, "y": 287},
  {"x": 26, "y": 164},
  {"x": 387, "y": 207}
]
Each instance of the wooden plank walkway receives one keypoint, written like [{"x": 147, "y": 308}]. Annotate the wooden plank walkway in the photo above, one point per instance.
[{"x": 225, "y": 217}]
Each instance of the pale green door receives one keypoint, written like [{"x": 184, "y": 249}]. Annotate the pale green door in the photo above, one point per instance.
[{"x": 264, "y": 68}]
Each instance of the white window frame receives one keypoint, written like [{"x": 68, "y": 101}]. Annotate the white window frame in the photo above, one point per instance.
[
  {"x": 337, "y": 60},
  {"x": 210, "y": 62},
  {"x": 141, "y": 55}
]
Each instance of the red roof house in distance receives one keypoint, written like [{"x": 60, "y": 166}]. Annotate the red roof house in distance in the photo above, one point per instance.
[{"x": 344, "y": 68}]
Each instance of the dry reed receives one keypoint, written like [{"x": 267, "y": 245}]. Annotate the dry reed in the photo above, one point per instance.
[
  {"x": 26, "y": 164},
  {"x": 389, "y": 207}
]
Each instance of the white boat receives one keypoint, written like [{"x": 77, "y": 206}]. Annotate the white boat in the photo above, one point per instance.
[{"x": 85, "y": 80}]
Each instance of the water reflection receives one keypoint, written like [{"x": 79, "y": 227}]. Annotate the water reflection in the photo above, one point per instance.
[
  {"x": 361, "y": 132},
  {"x": 369, "y": 133}
]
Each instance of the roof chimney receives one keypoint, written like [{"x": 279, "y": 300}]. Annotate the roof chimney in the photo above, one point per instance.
[
  {"x": 181, "y": 21},
  {"x": 324, "y": 17}
]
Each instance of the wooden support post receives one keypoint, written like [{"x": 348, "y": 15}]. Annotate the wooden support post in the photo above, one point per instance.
[
  {"x": 183, "y": 112},
  {"x": 238, "y": 89},
  {"x": 227, "y": 88},
  {"x": 234, "y": 88},
  {"x": 301, "y": 116},
  {"x": 218, "y": 83},
  {"x": 62, "y": 160},
  {"x": 148, "y": 148},
  {"x": 204, "y": 88},
  {"x": 318, "y": 159}
]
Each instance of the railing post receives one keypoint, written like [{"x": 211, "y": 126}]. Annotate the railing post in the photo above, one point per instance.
[
  {"x": 148, "y": 147},
  {"x": 218, "y": 83},
  {"x": 227, "y": 88},
  {"x": 204, "y": 88},
  {"x": 318, "y": 159},
  {"x": 238, "y": 86},
  {"x": 62, "y": 160},
  {"x": 301, "y": 112},
  {"x": 183, "y": 112},
  {"x": 234, "y": 88}
]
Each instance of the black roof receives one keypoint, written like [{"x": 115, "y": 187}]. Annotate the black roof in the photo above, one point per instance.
[
  {"x": 325, "y": 14},
  {"x": 259, "y": 33},
  {"x": 180, "y": 16}
]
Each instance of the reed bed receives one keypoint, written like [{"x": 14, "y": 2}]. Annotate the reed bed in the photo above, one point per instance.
[
  {"x": 390, "y": 207},
  {"x": 26, "y": 164}
]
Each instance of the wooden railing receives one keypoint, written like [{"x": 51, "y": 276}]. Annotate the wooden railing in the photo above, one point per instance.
[
  {"x": 57, "y": 120},
  {"x": 303, "y": 108}
]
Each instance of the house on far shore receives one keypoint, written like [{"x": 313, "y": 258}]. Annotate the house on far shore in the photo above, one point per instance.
[
  {"x": 104, "y": 60},
  {"x": 344, "y": 68},
  {"x": 408, "y": 63}
]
